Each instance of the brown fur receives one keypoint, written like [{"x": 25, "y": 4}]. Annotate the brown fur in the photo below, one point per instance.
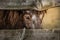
[{"x": 18, "y": 19}]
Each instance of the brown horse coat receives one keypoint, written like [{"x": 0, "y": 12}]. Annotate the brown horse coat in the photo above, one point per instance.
[{"x": 18, "y": 19}]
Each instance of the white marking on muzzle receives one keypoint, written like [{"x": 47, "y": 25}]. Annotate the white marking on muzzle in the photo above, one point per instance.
[
  {"x": 34, "y": 17},
  {"x": 34, "y": 21}
]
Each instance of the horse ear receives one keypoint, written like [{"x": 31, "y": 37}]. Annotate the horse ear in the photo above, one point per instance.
[
  {"x": 42, "y": 14},
  {"x": 45, "y": 11}
]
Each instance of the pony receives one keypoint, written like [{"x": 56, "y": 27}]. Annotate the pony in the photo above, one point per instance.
[{"x": 18, "y": 19}]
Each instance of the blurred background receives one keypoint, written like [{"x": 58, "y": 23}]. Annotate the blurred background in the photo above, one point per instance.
[{"x": 52, "y": 18}]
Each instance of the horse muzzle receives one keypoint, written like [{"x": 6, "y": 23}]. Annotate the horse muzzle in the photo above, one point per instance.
[{"x": 32, "y": 22}]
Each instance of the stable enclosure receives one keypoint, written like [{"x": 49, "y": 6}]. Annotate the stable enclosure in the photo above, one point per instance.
[{"x": 29, "y": 19}]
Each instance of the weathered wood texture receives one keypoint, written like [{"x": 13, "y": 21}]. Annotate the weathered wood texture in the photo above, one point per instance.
[{"x": 30, "y": 35}]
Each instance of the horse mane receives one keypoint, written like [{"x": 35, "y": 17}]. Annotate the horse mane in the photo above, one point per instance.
[{"x": 11, "y": 19}]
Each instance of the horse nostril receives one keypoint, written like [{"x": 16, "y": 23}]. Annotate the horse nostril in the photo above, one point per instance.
[
  {"x": 27, "y": 18},
  {"x": 33, "y": 22}
]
